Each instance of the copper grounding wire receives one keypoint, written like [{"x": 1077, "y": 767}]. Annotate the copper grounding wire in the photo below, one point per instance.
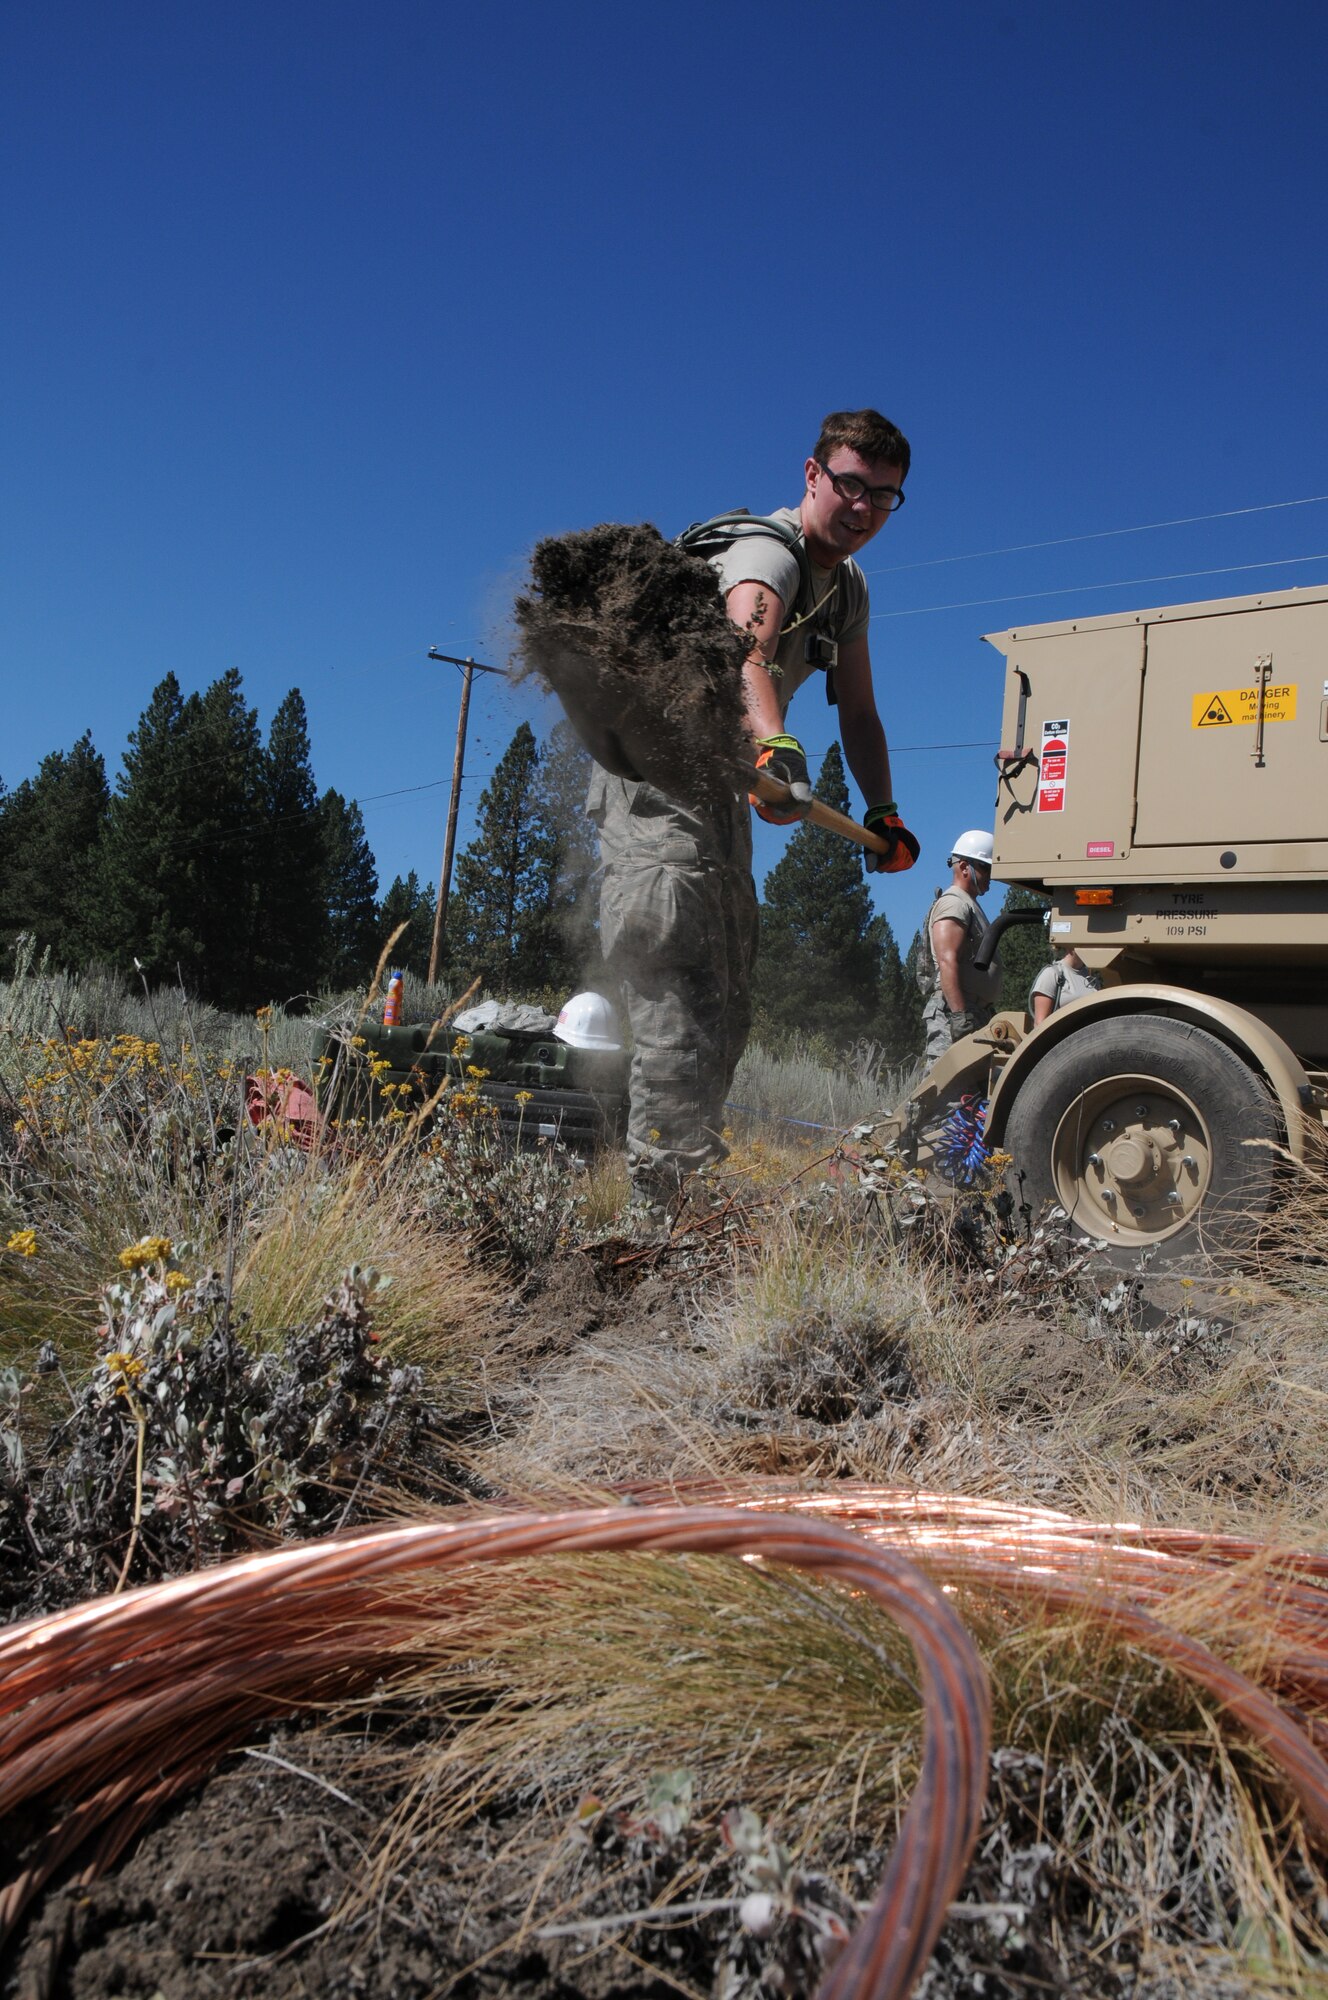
[
  {"x": 137, "y": 1695},
  {"x": 92, "y": 1691}
]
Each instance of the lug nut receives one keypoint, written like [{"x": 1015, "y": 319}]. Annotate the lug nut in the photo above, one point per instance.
[
  {"x": 1173, "y": 1196},
  {"x": 1187, "y": 1160},
  {"x": 1136, "y": 1211},
  {"x": 1141, "y": 1110},
  {"x": 1095, "y": 1160},
  {"x": 1108, "y": 1124},
  {"x": 1108, "y": 1195},
  {"x": 1173, "y": 1125}
]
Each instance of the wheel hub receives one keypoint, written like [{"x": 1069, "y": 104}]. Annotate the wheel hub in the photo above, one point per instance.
[{"x": 1131, "y": 1159}]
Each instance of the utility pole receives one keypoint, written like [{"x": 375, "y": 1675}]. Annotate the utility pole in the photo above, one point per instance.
[{"x": 469, "y": 668}]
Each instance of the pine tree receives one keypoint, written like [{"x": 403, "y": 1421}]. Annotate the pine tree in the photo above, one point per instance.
[
  {"x": 819, "y": 968},
  {"x": 913, "y": 999},
  {"x": 176, "y": 886},
  {"x": 898, "y": 1026},
  {"x": 504, "y": 877},
  {"x": 228, "y": 834},
  {"x": 140, "y": 899},
  {"x": 353, "y": 935},
  {"x": 50, "y": 827},
  {"x": 561, "y": 942},
  {"x": 292, "y": 942},
  {"x": 408, "y": 902},
  {"x": 1024, "y": 949}
]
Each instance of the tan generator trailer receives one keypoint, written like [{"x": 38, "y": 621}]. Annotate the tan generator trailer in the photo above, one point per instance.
[{"x": 1165, "y": 786}]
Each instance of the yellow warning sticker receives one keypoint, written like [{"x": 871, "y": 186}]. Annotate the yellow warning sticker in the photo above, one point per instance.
[{"x": 1231, "y": 705}]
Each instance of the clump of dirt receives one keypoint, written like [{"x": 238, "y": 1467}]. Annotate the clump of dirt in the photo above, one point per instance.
[{"x": 631, "y": 635}]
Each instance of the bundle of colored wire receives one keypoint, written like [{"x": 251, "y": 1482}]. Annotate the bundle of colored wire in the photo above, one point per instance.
[{"x": 961, "y": 1150}]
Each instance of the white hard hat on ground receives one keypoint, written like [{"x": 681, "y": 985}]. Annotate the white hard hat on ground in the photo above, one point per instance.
[
  {"x": 975, "y": 845},
  {"x": 588, "y": 1022}
]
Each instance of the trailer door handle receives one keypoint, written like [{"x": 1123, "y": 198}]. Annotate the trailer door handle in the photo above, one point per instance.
[{"x": 1263, "y": 670}]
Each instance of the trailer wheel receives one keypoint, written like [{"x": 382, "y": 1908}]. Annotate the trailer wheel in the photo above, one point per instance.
[{"x": 1151, "y": 1134}]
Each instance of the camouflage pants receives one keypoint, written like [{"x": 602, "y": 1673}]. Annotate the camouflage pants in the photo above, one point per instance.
[
  {"x": 678, "y": 930},
  {"x": 939, "y": 1024}
]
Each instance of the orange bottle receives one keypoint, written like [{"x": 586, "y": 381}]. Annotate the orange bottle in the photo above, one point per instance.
[{"x": 392, "y": 1004}]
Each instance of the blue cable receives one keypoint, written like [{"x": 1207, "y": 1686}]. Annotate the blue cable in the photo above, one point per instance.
[{"x": 750, "y": 1111}]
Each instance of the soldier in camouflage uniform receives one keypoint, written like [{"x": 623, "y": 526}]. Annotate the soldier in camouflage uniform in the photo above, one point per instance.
[
  {"x": 678, "y": 922},
  {"x": 678, "y": 927},
  {"x": 960, "y": 998}
]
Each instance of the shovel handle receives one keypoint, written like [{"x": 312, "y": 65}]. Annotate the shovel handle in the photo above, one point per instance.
[{"x": 774, "y": 794}]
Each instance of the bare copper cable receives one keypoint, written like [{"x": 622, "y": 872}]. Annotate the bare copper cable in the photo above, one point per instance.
[
  {"x": 99, "y": 1693},
  {"x": 131, "y": 1698},
  {"x": 1119, "y": 1574}
]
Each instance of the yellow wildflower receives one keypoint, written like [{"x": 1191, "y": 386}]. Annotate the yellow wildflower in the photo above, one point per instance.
[
  {"x": 23, "y": 1243},
  {"x": 178, "y": 1281},
  {"x": 127, "y": 1366},
  {"x": 148, "y": 1250}
]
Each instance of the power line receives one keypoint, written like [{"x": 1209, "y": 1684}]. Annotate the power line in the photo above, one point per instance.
[
  {"x": 1078, "y": 589},
  {"x": 1101, "y": 535},
  {"x": 904, "y": 749},
  {"x": 371, "y": 797}
]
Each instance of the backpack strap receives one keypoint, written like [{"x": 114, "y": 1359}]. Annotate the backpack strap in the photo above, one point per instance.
[
  {"x": 1058, "y": 987},
  {"x": 707, "y": 538}
]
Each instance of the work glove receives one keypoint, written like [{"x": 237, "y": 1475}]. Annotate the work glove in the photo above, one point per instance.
[
  {"x": 904, "y": 848},
  {"x": 783, "y": 757}
]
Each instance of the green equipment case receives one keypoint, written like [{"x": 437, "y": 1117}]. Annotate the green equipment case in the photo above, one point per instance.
[{"x": 539, "y": 1087}]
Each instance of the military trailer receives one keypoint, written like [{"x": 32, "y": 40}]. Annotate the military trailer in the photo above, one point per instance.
[{"x": 1165, "y": 785}]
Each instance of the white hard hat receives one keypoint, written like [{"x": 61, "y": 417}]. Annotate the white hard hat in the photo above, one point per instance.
[
  {"x": 975, "y": 845},
  {"x": 588, "y": 1022}
]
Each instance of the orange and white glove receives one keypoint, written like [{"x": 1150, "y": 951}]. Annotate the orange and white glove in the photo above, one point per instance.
[
  {"x": 904, "y": 847},
  {"x": 783, "y": 757}
]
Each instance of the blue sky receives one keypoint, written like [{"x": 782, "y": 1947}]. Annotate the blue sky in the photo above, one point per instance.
[{"x": 317, "y": 316}]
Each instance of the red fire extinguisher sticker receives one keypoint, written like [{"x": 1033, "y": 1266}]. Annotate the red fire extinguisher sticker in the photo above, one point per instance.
[{"x": 1053, "y": 765}]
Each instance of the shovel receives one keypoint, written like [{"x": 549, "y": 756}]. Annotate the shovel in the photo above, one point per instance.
[{"x": 772, "y": 793}]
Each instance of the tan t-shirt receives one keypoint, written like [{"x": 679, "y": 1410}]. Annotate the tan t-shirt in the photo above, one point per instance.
[
  {"x": 841, "y": 597},
  {"x": 1063, "y": 983},
  {"x": 980, "y": 989}
]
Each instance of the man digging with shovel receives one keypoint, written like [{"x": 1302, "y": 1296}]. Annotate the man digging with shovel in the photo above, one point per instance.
[{"x": 678, "y": 907}]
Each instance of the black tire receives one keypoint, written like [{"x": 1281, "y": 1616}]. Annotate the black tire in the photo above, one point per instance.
[{"x": 1153, "y": 1136}]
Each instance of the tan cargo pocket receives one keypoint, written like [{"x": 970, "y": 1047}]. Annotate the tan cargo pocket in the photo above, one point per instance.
[{"x": 655, "y": 916}]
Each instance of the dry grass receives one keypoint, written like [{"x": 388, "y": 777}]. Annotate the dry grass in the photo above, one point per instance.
[
  {"x": 1127, "y": 1833},
  {"x": 830, "y": 1350},
  {"x": 1149, "y": 1849},
  {"x": 316, "y": 1224}
]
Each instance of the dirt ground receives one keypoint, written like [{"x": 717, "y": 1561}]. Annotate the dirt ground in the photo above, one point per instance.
[{"x": 230, "y": 1894}]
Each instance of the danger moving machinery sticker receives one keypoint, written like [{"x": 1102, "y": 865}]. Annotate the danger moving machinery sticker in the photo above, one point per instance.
[
  {"x": 1230, "y": 706},
  {"x": 1052, "y": 766}
]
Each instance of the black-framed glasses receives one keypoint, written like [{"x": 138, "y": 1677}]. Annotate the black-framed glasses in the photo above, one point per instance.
[{"x": 885, "y": 499}]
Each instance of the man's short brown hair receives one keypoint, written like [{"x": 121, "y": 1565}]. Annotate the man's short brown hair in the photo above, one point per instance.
[{"x": 868, "y": 433}]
